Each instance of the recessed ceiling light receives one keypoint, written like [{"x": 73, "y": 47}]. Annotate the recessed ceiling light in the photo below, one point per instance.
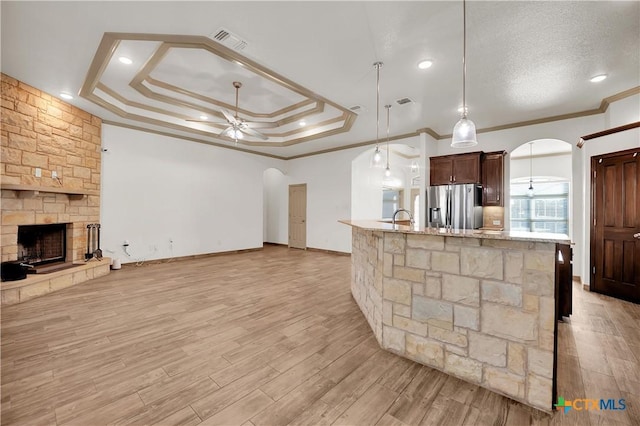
[
  {"x": 303, "y": 123},
  {"x": 204, "y": 117},
  {"x": 598, "y": 78},
  {"x": 423, "y": 65},
  {"x": 66, "y": 96},
  {"x": 125, "y": 60}
]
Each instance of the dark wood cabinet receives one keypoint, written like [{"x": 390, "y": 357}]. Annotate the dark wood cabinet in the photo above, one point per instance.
[
  {"x": 493, "y": 178},
  {"x": 441, "y": 171},
  {"x": 457, "y": 168},
  {"x": 564, "y": 280}
]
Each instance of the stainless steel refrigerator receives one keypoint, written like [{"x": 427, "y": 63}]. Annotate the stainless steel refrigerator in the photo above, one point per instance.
[{"x": 454, "y": 206}]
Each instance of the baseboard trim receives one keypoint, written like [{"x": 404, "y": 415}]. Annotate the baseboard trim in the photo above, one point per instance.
[
  {"x": 338, "y": 253},
  {"x": 317, "y": 250},
  {"x": 274, "y": 244},
  {"x": 224, "y": 253},
  {"x": 189, "y": 257},
  {"x": 585, "y": 287}
]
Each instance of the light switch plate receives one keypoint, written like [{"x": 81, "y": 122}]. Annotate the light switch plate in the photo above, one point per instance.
[
  {"x": 496, "y": 222},
  {"x": 38, "y": 172},
  {"x": 54, "y": 174}
]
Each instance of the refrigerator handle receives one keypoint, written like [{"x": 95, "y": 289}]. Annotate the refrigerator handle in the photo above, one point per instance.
[{"x": 449, "y": 208}]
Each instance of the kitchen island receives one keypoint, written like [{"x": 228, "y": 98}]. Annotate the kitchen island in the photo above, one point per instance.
[{"x": 479, "y": 305}]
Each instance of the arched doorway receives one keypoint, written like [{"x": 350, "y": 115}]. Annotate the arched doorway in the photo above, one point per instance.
[
  {"x": 540, "y": 187},
  {"x": 375, "y": 195}
]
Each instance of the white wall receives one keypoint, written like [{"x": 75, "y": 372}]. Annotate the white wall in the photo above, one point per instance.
[
  {"x": 624, "y": 111},
  {"x": 328, "y": 179},
  {"x": 276, "y": 202},
  {"x": 367, "y": 183},
  {"x": 366, "y": 187},
  {"x": 556, "y": 166},
  {"x": 157, "y": 189}
]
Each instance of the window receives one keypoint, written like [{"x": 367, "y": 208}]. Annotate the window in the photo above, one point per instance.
[
  {"x": 546, "y": 210},
  {"x": 391, "y": 201}
]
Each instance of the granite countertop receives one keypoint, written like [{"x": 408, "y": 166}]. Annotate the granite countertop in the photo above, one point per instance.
[{"x": 540, "y": 237}]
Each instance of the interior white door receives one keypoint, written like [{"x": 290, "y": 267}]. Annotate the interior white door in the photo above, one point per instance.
[{"x": 298, "y": 216}]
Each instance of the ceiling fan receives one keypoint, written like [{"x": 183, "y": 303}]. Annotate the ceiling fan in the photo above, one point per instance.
[{"x": 238, "y": 127}]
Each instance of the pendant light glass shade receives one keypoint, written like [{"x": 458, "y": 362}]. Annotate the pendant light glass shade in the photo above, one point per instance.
[
  {"x": 377, "y": 156},
  {"x": 464, "y": 132}
]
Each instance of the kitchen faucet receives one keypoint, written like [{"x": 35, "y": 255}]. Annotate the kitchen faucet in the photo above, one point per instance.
[{"x": 393, "y": 220}]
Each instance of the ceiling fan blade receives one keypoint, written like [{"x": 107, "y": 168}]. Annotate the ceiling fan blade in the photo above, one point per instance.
[
  {"x": 259, "y": 124},
  {"x": 252, "y": 132},
  {"x": 230, "y": 118},
  {"x": 216, "y": 123}
]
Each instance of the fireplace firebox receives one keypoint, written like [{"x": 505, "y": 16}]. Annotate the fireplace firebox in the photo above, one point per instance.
[{"x": 42, "y": 244}]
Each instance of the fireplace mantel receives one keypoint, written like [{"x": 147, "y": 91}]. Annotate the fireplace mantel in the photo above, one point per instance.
[{"x": 27, "y": 191}]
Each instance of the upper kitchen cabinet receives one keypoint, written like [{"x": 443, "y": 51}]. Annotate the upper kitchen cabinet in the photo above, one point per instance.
[
  {"x": 492, "y": 178},
  {"x": 458, "y": 168}
]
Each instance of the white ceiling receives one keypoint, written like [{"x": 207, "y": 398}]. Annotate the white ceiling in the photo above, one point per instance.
[{"x": 525, "y": 60}]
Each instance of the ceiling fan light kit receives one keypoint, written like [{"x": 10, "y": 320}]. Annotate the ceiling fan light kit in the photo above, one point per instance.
[
  {"x": 464, "y": 132},
  {"x": 238, "y": 127}
]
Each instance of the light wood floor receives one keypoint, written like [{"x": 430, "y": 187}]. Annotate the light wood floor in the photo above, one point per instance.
[{"x": 269, "y": 338}]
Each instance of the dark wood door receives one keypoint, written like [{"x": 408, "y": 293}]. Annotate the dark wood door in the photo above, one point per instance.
[
  {"x": 492, "y": 178},
  {"x": 441, "y": 170},
  {"x": 615, "y": 231},
  {"x": 466, "y": 168}
]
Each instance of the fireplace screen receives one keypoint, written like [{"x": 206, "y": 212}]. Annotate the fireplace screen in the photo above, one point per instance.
[{"x": 40, "y": 244}]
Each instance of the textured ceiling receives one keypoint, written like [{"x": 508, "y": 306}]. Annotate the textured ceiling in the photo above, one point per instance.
[{"x": 525, "y": 61}]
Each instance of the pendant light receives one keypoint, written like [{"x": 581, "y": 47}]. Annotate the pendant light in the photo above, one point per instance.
[
  {"x": 530, "y": 191},
  {"x": 387, "y": 170},
  {"x": 464, "y": 132},
  {"x": 376, "y": 161}
]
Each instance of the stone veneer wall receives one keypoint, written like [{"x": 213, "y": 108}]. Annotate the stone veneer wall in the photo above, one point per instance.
[
  {"x": 40, "y": 131},
  {"x": 479, "y": 309}
]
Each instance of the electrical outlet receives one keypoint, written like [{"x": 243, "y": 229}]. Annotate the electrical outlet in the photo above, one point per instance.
[
  {"x": 496, "y": 222},
  {"x": 38, "y": 172}
]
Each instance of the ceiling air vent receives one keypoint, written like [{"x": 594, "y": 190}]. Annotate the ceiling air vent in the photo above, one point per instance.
[
  {"x": 404, "y": 101},
  {"x": 228, "y": 39},
  {"x": 357, "y": 109}
]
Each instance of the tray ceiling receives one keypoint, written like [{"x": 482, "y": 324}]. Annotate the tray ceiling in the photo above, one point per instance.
[{"x": 175, "y": 79}]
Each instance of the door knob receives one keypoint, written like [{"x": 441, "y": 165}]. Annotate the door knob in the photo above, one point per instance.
[{"x": 637, "y": 235}]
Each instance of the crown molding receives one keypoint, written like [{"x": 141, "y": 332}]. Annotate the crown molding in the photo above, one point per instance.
[{"x": 604, "y": 105}]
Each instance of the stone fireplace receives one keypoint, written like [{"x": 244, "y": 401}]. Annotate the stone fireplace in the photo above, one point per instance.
[{"x": 50, "y": 175}]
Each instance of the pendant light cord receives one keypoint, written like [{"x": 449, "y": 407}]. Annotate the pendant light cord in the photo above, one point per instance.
[
  {"x": 378, "y": 65},
  {"x": 464, "y": 58},
  {"x": 531, "y": 166},
  {"x": 388, "y": 107}
]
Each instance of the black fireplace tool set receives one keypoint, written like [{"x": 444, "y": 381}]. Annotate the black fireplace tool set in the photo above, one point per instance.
[{"x": 93, "y": 242}]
